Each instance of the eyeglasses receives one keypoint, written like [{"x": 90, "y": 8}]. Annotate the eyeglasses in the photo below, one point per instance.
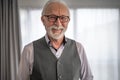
[{"x": 53, "y": 18}]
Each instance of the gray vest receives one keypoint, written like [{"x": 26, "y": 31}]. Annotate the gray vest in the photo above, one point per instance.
[{"x": 47, "y": 67}]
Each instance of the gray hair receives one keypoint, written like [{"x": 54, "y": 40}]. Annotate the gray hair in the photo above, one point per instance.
[{"x": 52, "y": 1}]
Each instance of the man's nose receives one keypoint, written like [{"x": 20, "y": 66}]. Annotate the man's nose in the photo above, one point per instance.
[{"x": 58, "y": 22}]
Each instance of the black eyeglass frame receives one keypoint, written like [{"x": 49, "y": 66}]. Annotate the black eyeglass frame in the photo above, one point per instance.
[{"x": 54, "y": 18}]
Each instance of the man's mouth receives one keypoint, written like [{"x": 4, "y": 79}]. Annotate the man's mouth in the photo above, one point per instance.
[{"x": 57, "y": 31}]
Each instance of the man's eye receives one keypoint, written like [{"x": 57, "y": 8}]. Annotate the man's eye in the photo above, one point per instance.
[{"x": 63, "y": 17}]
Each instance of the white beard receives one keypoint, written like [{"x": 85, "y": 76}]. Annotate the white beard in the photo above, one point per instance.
[{"x": 56, "y": 36}]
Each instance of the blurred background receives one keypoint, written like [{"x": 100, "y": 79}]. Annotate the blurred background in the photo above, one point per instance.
[{"x": 93, "y": 23}]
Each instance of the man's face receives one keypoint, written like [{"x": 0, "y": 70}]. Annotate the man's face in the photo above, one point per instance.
[{"x": 55, "y": 20}]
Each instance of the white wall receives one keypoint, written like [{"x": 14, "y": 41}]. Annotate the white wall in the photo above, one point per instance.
[{"x": 73, "y": 3}]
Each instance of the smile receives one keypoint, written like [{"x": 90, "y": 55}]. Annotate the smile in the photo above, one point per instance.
[{"x": 57, "y": 31}]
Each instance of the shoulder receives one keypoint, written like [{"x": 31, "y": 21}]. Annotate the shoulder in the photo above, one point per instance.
[
  {"x": 78, "y": 44},
  {"x": 27, "y": 54},
  {"x": 80, "y": 47},
  {"x": 28, "y": 49},
  {"x": 28, "y": 46}
]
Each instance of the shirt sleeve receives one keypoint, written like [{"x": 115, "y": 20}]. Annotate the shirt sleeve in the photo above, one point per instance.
[
  {"x": 85, "y": 73},
  {"x": 26, "y": 63}
]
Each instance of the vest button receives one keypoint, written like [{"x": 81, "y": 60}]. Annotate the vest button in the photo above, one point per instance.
[
  {"x": 59, "y": 62},
  {"x": 59, "y": 76}
]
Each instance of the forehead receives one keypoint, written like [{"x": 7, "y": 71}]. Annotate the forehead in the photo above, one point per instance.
[{"x": 56, "y": 9}]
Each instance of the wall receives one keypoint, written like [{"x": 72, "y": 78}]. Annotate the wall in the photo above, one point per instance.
[{"x": 73, "y": 3}]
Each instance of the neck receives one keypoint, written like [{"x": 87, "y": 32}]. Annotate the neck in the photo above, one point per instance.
[{"x": 56, "y": 42}]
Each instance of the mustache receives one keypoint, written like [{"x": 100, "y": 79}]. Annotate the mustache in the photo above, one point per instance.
[{"x": 57, "y": 27}]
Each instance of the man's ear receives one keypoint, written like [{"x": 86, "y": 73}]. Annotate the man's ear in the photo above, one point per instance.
[{"x": 42, "y": 19}]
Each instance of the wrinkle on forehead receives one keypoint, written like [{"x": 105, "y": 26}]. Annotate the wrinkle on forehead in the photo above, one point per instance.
[{"x": 57, "y": 8}]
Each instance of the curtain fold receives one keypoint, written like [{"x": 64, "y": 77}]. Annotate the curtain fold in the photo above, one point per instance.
[{"x": 10, "y": 39}]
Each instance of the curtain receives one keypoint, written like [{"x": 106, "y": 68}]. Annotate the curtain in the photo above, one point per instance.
[
  {"x": 10, "y": 39},
  {"x": 119, "y": 46}
]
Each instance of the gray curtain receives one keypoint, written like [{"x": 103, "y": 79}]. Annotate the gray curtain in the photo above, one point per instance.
[{"x": 9, "y": 39}]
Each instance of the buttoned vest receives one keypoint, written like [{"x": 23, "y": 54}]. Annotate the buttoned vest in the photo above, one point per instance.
[{"x": 47, "y": 67}]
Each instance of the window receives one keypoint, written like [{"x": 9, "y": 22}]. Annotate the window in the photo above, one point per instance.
[{"x": 96, "y": 29}]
